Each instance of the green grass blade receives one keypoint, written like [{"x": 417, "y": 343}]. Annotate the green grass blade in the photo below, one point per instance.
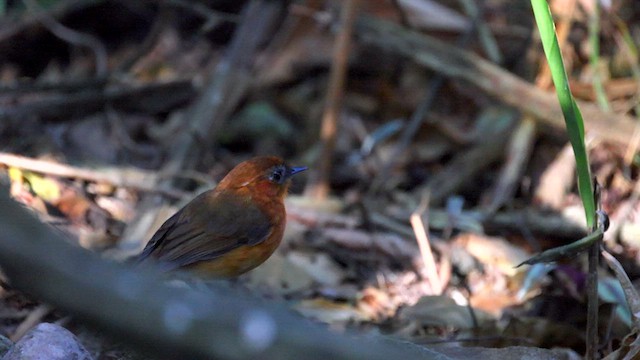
[{"x": 572, "y": 115}]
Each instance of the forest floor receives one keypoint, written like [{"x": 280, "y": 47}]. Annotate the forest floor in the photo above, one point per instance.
[{"x": 438, "y": 156}]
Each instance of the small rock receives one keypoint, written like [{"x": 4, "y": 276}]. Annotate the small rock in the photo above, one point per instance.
[
  {"x": 48, "y": 342},
  {"x": 5, "y": 345}
]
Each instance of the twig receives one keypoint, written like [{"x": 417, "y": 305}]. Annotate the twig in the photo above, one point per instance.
[
  {"x": 409, "y": 131},
  {"x": 418, "y": 116},
  {"x": 594, "y": 57},
  {"x": 622, "y": 215},
  {"x": 592, "y": 302},
  {"x": 204, "y": 11},
  {"x": 10, "y": 29},
  {"x": 129, "y": 178},
  {"x": 150, "y": 40},
  {"x": 633, "y": 302},
  {"x": 226, "y": 85},
  {"x": 473, "y": 8},
  {"x": 495, "y": 81},
  {"x": 539, "y": 223},
  {"x": 423, "y": 243},
  {"x": 464, "y": 165},
  {"x": 521, "y": 141},
  {"x": 630, "y": 292},
  {"x": 165, "y": 10},
  {"x": 73, "y": 37},
  {"x": 404, "y": 19},
  {"x": 33, "y": 319},
  {"x": 632, "y": 147},
  {"x": 151, "y": 98},
  {"x": 517, "y": 156},
  {"x": 592, "y": 283},
  {"x": 22, "y": 87},
  {"x": 125, "y": 141},
  {"x": 318, "y": 185},
  {"x": 630, "y": 51}
]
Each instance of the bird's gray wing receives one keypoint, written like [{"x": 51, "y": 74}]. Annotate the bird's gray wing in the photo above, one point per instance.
[{"x": 200, "y": 232}]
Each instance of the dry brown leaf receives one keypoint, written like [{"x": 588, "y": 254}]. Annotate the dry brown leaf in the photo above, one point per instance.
[
  {"x": 442, "y": 311},
  {"x": 330, "y": 312},
  {"x": 319, "y": 266},
  {"x": 493, "y": 251}
]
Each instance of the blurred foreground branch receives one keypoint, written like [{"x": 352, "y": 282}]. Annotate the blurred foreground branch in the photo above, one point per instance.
[{"x": 174, "y": 322}]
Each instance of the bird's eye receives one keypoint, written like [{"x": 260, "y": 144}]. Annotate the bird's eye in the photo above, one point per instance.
[{"x": 277, "y": 175}]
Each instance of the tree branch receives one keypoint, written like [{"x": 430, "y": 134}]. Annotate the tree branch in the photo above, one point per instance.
[{"x": 174, "y": 322}]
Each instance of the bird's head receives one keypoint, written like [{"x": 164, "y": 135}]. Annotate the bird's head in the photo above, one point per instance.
[{"x": 268, "y": 175}]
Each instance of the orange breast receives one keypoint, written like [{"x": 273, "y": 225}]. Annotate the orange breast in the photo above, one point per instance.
[{"x": 241, "y": 259}]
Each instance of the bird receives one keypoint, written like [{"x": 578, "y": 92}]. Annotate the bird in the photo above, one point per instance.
[{"x": 231, "y": 229}]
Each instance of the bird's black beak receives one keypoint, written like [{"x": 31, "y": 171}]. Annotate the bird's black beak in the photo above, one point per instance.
[{"x": 294, "y": 170}]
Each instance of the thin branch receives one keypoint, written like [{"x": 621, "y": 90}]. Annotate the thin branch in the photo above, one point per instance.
[
  {"x": 404, "y": 19},
  {"x": 68, "y": 85},
  {"x": 203, "y": 11},
  {"x": 420, "y": 113},
  {"x": 160, "y": 21},
  {"x": 425, "y": 247},
  {"x": 593, "y": 298},
  {"x": 318, "y": 186},
  {"x": 128, "y": 178},
  {"x": 73, "y": 37},
  {"x": 10, "y": 29},
  {"x": 34, "y": 318},
  {"x": 474, "y": 9},
  {"x": 508, "y": 88},
  {"x": 227, "y": 83},
  {"x": 151, "y": 98}
]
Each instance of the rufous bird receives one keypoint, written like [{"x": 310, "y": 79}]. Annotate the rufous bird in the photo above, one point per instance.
[{"x": 231, "y": 229}]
